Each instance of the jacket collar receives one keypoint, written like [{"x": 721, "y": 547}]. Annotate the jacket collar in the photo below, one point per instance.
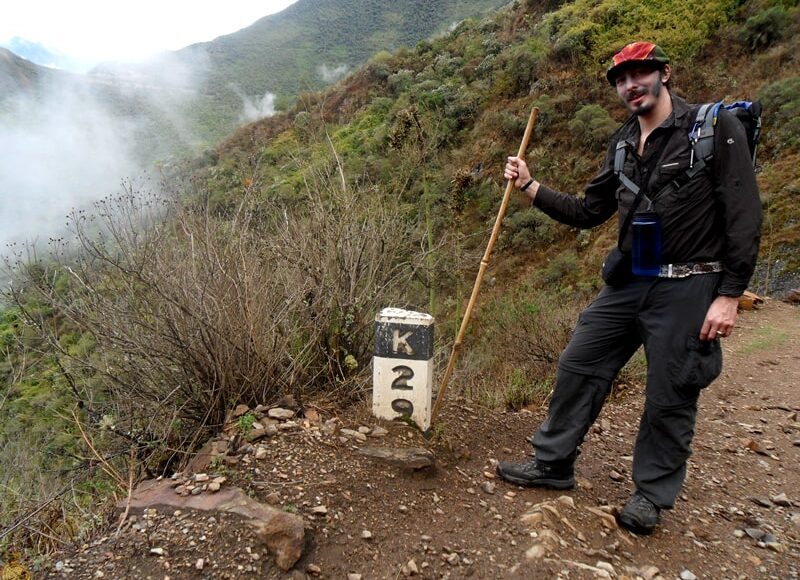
[{"x": 676, "y": 118}]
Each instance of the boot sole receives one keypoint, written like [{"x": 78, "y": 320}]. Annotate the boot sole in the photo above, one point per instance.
[
  {"x": 551, "y": 483},
  {"x": 635, "y": 527}
]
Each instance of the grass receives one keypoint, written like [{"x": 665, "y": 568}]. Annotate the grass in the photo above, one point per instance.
[{"x": 766, "y": 338}]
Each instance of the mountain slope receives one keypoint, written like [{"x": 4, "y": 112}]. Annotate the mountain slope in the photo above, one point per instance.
[
  {"x": 303, "y": 48},
  {"x": 285, "y": 53}
]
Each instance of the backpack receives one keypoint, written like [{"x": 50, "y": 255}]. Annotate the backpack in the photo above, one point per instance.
[
  {"x": 748, "y": 113},
  {"x": 701, "y": 136}
]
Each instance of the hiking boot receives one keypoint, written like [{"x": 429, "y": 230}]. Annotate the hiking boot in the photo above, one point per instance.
[
  {"x": 537, "y": 474},
  {"x": 640, "y": 515}
]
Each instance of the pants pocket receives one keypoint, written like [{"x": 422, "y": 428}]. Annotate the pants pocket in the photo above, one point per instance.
[{"x": 703, "y": 364}]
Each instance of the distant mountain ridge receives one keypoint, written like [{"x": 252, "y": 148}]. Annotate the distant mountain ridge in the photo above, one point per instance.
[
  {"x": 211, "y": 86},
  {"x": 283, "y": 53},
  {"x": 301, "y": 49}
]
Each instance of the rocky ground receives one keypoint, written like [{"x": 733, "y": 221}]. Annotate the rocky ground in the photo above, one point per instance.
[{"x": 738, "y": 517}]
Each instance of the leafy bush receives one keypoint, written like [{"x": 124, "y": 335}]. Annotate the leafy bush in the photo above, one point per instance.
[
  {"x": 765, "y": 28},
  {"x": 592, "y": 126},
  {"x": 527, "y": 227},
  {"x": 781, "y": 101},
  {"x": 516, "y": 68},
  {"x": 592, "y": 30}
]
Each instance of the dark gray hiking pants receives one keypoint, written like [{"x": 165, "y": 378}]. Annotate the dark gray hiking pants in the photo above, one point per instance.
[{"x": 665, "y": 315}]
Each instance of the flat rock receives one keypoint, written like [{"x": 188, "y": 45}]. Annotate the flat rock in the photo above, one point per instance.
[
  {"x": 755, "y": 533},
  {"x": 761, "y": 501},
  {"x": 782, "y": 500},
  {"x": 405, "y": 457},
  {"x": 282, "y": 532},
  {"x": 280, "y": 413}
]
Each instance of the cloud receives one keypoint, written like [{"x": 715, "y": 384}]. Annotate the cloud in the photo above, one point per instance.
[
  {"x": 252, "y": 109},
  {"x": 77, "y": 138},
  {"x": 59, "y": 152},
  {"x": 332, "y": 74}
]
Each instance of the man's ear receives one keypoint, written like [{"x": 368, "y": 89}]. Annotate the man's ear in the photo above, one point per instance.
[{"x": 666, "y": 72}]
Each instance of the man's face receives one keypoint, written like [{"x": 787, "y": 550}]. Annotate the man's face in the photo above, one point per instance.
[{"x": 639, "y": 88}]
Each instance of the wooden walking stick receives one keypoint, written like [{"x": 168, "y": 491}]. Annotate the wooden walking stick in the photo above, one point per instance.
[{"x": 482, "y": 270}]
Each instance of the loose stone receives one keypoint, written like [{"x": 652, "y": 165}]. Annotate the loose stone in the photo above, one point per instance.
[
  {"x": 782, "y": 500},
  {"x": 279, "y": 413}
]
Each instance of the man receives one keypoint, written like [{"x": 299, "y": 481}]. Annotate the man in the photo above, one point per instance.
[{"x": 710, "y": 230}]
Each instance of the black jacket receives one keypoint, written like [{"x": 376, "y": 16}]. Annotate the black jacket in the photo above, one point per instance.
[{"x": 715, "y": 216}]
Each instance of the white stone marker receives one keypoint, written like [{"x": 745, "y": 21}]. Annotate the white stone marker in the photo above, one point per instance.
[{"x": 402, "y": 369}]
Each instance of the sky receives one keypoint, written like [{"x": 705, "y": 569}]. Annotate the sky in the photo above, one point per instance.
[{"x": 101, "y": 30}]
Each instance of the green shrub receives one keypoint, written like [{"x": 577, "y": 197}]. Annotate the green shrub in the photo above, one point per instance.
[
  {"x": 765, "y": 28},
  {"x": 781, "y": 101},
  {"x": 516, "y": 68},
  {"x": 528, "y": 227},
  {"x": 592, "y": 30},
  {"x": 592, "y": 126}
]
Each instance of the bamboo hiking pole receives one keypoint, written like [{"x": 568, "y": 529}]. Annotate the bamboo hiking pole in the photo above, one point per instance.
[{"x": 482, "y": 270}]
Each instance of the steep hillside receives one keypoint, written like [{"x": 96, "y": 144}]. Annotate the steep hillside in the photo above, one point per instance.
[{"x": 257, "y": 274}]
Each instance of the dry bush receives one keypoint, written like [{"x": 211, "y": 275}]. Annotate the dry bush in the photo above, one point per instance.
[
  {"x": 192, "y": 312},
  {"x": 521, "y": 337}
]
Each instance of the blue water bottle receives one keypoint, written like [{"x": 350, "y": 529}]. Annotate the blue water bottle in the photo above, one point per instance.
[{"x": 646, "y": 228}]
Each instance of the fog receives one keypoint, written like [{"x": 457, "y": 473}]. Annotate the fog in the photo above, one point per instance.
[
  {"x": 253, "y": 109},
  {"x": 331, "y": 74},
  {"x": 58, "y": 151},
  {"x": 74, "y": 141}
]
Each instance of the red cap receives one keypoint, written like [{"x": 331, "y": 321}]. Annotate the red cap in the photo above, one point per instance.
[{"x": 636, "y": 53}]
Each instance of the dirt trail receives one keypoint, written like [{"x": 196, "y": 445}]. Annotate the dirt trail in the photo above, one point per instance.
[{"x": 738, "y": 517}]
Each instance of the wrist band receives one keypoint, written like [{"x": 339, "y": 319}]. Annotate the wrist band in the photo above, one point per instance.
[{"x": 527, "y": 185}]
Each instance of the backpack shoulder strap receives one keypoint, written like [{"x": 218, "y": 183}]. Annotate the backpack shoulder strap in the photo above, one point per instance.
[
  {"x": 619, "y": 166},
  {"x": 701, "y": 137}
]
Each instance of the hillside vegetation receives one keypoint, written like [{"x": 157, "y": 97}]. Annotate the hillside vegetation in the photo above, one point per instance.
[
  {"x": 303, "y": 48},
  {"x": 259, "y": 271}
]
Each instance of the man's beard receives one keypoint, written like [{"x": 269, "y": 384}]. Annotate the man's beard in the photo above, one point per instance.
[{"x": 645, "y": 108}]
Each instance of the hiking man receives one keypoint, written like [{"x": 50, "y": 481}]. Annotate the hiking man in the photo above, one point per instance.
[{"x": 710, "y": 222}]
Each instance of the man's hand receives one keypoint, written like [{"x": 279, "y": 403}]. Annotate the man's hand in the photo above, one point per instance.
[
  {"x": 720, "y": 318},
  {"x": 517, "y": 171}
]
